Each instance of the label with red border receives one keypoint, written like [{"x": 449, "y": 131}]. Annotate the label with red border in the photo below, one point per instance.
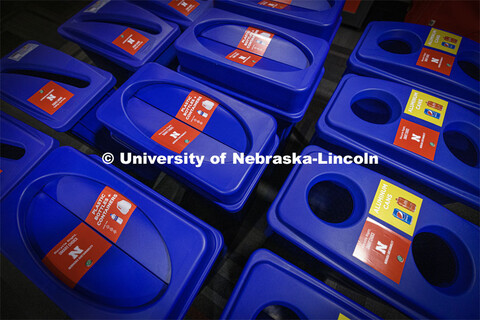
[
  {"x": 185, "y": 7},
  {"x": 242, "y": 57},
  {"x": 175, "y": 135},
  {"x": 436, "y": 61},
  {"x": 130, "y": 41},
  {"x": 76, "y": 254},
  {"x": 197, "y": 110},
  {"x": 382, "y": 249},
  {"x": 272, "y": 4},
  {"x": 110, "y": 213},
  {"x": 417, "y": 138},
  {"x": 51, "y": 97},
  {"x": 255, "y": 41}
]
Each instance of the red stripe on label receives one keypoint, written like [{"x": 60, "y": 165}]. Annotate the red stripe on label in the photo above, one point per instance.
[
  {"x": 50, "y": 97},
  {"x": 175, "y": 135},
  {"x": 196, "y": 110},
  {"x": 110, "y": 213},
  {"x": 255, "y": 41},
  {"x": 76, "y": 254}
]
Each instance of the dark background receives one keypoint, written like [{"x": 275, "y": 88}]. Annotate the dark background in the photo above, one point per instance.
[{"x": 39, "y": 20}]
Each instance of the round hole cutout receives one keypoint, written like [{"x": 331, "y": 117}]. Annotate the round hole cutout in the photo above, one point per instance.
[
  {"x": 399, "y": 42},
  {"x": 434, "y": 259},
  {"x": 461, "y": 145},
  {"x": 376, "y": 106},
  {"x": 277, "y": 312},
  {"x": 469, "y": 62},
  {"x": 330, "y": 202},
  {"x": 396, "y": 46}
]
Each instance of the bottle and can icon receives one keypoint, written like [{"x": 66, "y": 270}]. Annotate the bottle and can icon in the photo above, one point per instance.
[
  {"x": 406, "y": 204},
  {"x": 400, "y": 215},
  {"x": 448, "y": 45},
  {"x": 435, "y": 105},
  {"x": 450, "y": 39},
  {"x": 116, "y": 218},
  {"x": 203, "y": 114},
  {"x": 432, "y": 113}
]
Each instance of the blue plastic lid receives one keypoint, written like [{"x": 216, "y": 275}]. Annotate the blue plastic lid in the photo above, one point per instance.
[
  {"x": 50, "y": 85},
  {"x": 423, "y": 137},
  {"x": 120, "y": 31},
  {"x": 420, "y": 56},
  {"x": 408, "y": 250},
  {"x": 181, "y": 12},
  {"x": 268, "y": 281},
  {"x": 161, "y": 112},
  {"x": 100, "y": 244},
  {"x": 271, "y": 64},
  {"x": 318, "y": 18},
  {"x": 22, "y": 147}
]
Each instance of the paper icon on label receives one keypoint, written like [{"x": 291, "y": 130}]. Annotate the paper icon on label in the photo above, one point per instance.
[
  {"x": 124, "y": 206},
  {"x": 207, "y": 104}
]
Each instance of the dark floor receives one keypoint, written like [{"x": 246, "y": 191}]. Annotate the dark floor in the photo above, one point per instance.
[{"x": 38, "y": 20}]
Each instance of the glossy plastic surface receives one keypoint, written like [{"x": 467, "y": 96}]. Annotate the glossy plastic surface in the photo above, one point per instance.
[
  {"x": 367, "y": 115},
  {"x": 318, "y": 18},
  {"x": 22, "y": 148},
  {"x": 268, "y": 280},
  {"x": 283, "y": 77},
  {"x": 432, "y": 267},
  {"x": 32, "y": 67},
  {"x": 152, "y": 270},
  {"x": 120, "y": 32},
  {"x": 391, "y": 50},
  {"x": 151, "y": 99}
]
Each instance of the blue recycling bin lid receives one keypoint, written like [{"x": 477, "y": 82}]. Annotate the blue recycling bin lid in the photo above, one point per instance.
[
  {"x": 273, "y": 65},
  {"x": 318, "y": 18},
  {"x": 50, "y": 85},
  {"x": 181, "y": 12},
  {"x": 121, "y": 32},
  {"x": 420, "y": 56},
  {"x": 270, "y": 286},
  {"x": 417, "y": 134},
  {"x": 161, "y": 112},
  {"x": 408, "y": 250},
  {"x": 22, "y": 147},
  {"x": 102, "y": 245}
]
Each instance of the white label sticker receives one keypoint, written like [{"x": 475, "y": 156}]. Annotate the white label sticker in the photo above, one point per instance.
[
  {"x": 22, "y": 52},
  {"x": 97, "y": 6}
]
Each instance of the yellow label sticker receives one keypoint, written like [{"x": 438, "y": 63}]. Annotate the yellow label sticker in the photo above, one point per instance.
[
  {"x": 443, "y": 40},
  {"x": 426, "y": 107},
  {"x": 396, "y": 207},
  {"x": 342, "y": 317}
]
